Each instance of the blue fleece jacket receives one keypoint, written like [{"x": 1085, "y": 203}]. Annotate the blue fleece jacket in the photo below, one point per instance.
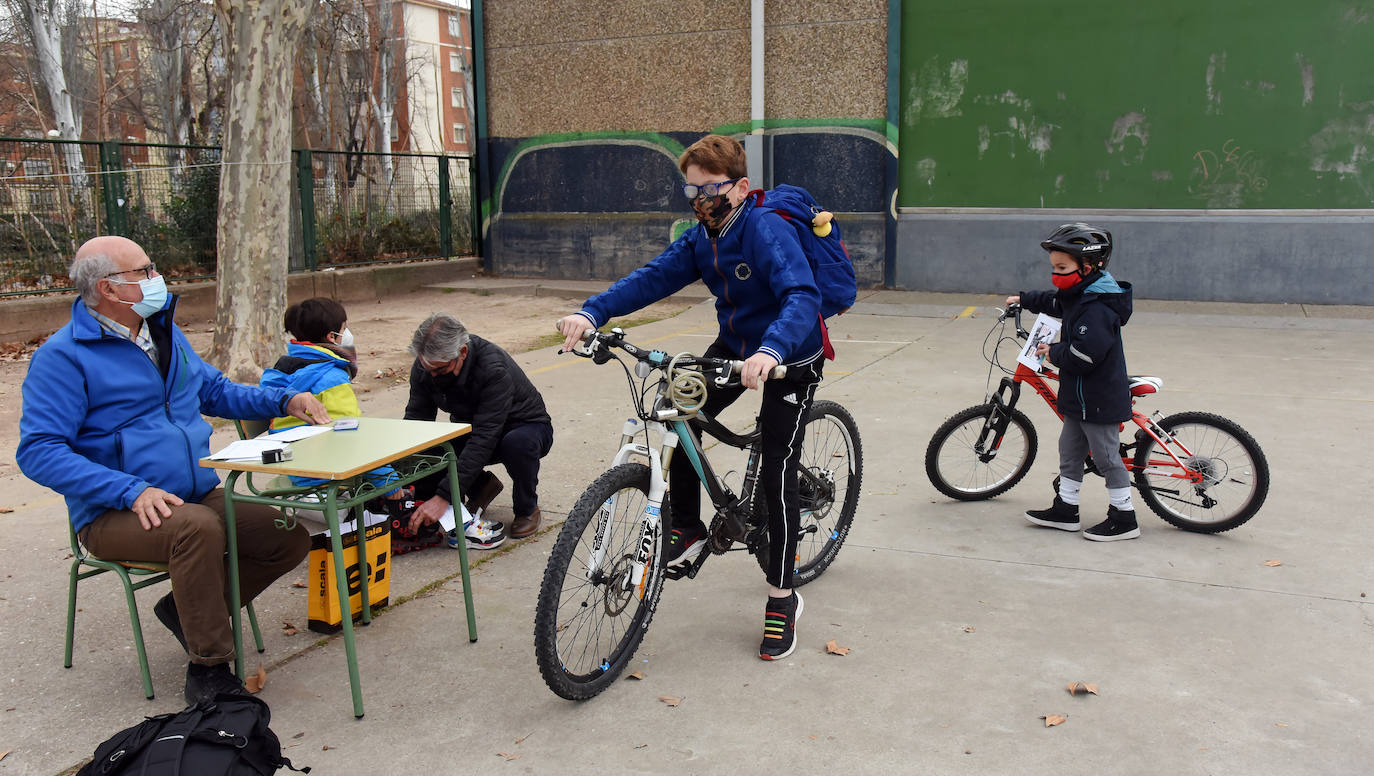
[
  {"x": 101, "y": 422},
  {"x": 766, "y": 297}
]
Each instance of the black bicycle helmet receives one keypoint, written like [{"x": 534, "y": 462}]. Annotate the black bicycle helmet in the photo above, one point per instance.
[{"x": 1086, "y": 243}]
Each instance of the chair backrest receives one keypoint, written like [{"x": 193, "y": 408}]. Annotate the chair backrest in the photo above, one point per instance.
[{"x": 249, "y": 428}]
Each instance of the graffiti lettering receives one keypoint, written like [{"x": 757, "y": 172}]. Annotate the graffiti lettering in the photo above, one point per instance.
[{"x": 1231, "y": 166}]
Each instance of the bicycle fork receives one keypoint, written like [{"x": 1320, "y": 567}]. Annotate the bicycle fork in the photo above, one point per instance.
[
  {"x": 651, "y": 525},
  {"x": 995, "y": 427}
]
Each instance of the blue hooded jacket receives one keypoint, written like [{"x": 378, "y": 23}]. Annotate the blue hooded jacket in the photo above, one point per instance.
[
  {"x": 101, "y": 422},
  {"x": 1092, "y": 363},
  {"x": 766, "y": 296}
]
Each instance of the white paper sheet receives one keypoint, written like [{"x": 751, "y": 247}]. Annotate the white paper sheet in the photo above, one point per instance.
[
  {"x": 296, "y": 433},
  {"x": 1043, "y": 332},
  {"x": 449, "y": 521},
  {"x": 247, "y": 450}
]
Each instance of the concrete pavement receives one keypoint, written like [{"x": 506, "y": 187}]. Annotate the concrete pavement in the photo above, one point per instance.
[{"x": 965, "y": 623}]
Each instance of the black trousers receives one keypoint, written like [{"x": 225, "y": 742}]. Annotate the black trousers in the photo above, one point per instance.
[
  {"x": 782, "y": 415},
  {"x": 519, "y": 450}
]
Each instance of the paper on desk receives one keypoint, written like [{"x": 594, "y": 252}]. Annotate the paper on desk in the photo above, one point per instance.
[
  {"x": 448, "y": 520},
  {"x": 247, "y": 450},
  {"x": 296, "y": 433}
]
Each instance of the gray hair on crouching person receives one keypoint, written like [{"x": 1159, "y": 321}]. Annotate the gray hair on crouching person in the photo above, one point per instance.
[
  {"x": 439, "y": 339},
  {"x": 86, "y": 273}
]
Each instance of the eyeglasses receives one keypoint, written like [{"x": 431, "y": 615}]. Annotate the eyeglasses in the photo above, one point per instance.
[
  {"x": 434, "y": 369},
  {"x": 708, "y": 189},
  {"x": 148, "y": 271}
]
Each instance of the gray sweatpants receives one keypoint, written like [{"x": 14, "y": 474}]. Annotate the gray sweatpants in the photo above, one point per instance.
[{"x": 1103, "y": 440}]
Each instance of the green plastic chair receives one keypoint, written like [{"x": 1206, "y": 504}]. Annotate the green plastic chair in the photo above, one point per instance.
[{"x": 148, "y": 573}]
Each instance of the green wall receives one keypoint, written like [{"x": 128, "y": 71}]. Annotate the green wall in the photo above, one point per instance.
[{"x": 1181, "y": 104}]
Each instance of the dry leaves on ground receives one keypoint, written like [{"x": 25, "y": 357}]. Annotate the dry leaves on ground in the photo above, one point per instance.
[
  {"x": 508, "y": 756},
  {"x": 635, "y": 675},
  {"x": 1054, "y": 719},
  {"x": 1272, "y": 563},
  {"x": 288, "y": 629},
  {"x": 1082, "y": 688},
  {"x": 256, "y": 682},
  {"x": 969, "y": 629},
  {"x": 5, "y": 753},
  {"x": 671, "y": 700},
  {"x": 6, "y": 510},
  {"x": 832, "y": 648},
  {"x": 298, "y": 583}
]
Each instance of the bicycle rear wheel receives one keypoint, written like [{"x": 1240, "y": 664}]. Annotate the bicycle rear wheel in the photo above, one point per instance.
[
  {"x": 1235, "y": 474},
  {"x": 957, "y": 469},
  {"x": 589, "y": 621},
  {"x": 830, "y": 474}
]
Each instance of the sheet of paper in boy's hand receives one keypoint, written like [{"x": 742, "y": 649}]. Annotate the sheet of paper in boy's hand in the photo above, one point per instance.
[
  {"x": 448, "y": 521},
  {"x": 297, "y": 433},
  {"x": 1042, "y": 333},
  {"x": 247, "y": 450}
]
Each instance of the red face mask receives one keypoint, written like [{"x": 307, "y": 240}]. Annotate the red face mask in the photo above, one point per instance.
[{"x": 1066, "y": 280}]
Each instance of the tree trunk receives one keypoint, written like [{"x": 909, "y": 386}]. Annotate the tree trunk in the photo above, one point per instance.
[
  {"x": 45, "y": 24},
  {"x": 261, "y": 37}
]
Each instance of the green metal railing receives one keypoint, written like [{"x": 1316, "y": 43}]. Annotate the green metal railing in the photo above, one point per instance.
[{"x": 348, "y": 208}]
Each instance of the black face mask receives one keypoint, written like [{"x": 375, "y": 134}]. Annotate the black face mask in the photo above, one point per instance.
[{"x": 712, "y": 211}]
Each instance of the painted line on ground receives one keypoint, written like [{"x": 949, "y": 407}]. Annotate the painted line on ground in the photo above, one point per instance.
[{"x": 967, "y": 312}]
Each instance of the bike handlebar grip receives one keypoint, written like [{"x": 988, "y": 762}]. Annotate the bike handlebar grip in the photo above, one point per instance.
[{"x": 777, "y": 373}]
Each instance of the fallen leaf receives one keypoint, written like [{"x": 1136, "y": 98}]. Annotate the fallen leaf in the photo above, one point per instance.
[
  {"x": 299, "y": 583},
  {"x": 1280, "y": 724},
  {"x": 6, "y": 511},
  {"x": 289, "y": 630},
  {"x": 256, "y": 682},
  {"x": 1272, "y": 563},
  {"x": 5, "y": 753},
  {"x": 521, "y": 739},
  {"x": 635, "y": 675},
  {"x": 969, "y": 629},
  {"x": 326, "y": 748},
  {"x": 508, "y": 756},
  {"x": 1082, "y": 688},
  {"x": 299, "y": 735},
  {"x": 670, "y": 700},
  {"x": 835, "y": 649},
  {"x": 1054, "y": 719}
]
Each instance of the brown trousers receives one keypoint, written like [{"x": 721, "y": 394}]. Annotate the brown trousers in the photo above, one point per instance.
[{"x": 192, "y": 544}]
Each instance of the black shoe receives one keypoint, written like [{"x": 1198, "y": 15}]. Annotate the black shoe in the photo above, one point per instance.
[
  {"x": 685, "y": 544},
  {"x": 483, "y": 492},
  {"x": 1120, "y": 524},
  {"x": 780, "y": 617},
  {"x": 1059, "y": 515},
  {"x": 203, "y": 683},
  {"x": 166, "y": 611}
]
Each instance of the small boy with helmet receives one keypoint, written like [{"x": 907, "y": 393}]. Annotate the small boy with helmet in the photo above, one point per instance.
[{"x": 1094, "y": 392}]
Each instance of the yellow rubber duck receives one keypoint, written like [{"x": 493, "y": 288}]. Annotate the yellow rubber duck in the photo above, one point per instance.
[{"x": 820, "y": 224}]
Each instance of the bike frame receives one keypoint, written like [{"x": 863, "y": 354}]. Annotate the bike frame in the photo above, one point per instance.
[{"x": 1009, "y": 391}]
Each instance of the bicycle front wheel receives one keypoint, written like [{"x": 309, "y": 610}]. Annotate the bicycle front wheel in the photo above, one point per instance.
[
  {"x": 957, "y": 469},
  {"x": 1234, "y": 473},
  {"x": 592, "y": 614},
  {"x": 829, "y": 477}
]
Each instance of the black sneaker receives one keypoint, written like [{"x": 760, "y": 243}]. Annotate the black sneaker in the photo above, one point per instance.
[
  {"x": 685, "y": 545},
  {"x": 166, "y": 611},
  {"x": 1120, "y": 524},
  {"x": 1059, "y": 515},
  {"x": 203, "y": 683},
  {"x": 780, "y": 617}
]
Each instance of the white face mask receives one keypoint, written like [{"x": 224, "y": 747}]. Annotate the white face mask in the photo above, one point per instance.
[{"x": 345, "y": 338}]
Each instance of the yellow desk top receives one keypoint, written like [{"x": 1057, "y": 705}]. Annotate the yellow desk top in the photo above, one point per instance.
[{"x": 338, "y": 455}]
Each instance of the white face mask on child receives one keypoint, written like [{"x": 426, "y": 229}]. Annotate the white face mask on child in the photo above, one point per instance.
[{"x": 345, "y": 338}]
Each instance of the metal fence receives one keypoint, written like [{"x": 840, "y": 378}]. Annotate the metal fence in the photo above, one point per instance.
[{"x": 348, "y": 208}]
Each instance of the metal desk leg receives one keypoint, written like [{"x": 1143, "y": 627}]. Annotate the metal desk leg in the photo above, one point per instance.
[
  {"x": 364, "y": 567},
  {"x": 462, "y": 542},
  {"x": 231, "y": 536},
  {"x": 331, "y": 516}
]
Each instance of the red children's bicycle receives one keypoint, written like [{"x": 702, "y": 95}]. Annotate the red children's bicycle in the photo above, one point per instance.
[{"x": 1200, "y": 472}]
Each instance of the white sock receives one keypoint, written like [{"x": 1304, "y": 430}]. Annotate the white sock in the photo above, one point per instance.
[
  {"x": 1120, "y": 498},
  {"x": 1068, "y": 491}
]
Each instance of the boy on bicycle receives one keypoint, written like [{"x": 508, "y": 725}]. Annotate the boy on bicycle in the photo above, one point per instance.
[
  {"x": 1094, "y": 393},
  {"x": 768, "y": 305}
]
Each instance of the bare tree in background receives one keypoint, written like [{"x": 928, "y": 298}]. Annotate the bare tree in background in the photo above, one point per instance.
[
  {"x": 43, "y": 22},
  {"x": 261, "y": 40}
]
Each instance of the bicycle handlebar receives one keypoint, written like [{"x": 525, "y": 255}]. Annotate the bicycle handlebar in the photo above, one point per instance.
[
  {"x": 1014, "y": 311},
  {"x": 595, "y": 345}
]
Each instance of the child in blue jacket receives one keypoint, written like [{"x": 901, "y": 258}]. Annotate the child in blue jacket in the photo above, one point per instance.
[{"x": 1094, "y": 392}]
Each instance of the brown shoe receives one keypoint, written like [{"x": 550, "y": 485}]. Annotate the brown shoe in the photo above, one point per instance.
[
  {"x": 484, "y": 491},
  {"x": 524, "y": 526}
]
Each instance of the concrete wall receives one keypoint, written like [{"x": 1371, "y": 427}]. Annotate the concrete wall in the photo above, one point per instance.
[
  {"x": 1272, "y": 256},
  {"x": 24, "y": 319}
]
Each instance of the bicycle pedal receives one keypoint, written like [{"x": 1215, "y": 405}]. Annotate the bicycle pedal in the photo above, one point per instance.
[{"x": 688, "y": 570}]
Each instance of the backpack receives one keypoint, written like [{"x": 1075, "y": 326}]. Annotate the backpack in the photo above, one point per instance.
[
  {"x": 228, "y": 735},
  {"x": 830, "y": 262}
]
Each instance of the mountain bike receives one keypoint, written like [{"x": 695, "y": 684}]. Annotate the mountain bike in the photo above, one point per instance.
[
  {"x": 607, "y": 567},
  {"x": 1196, "y": 470}
]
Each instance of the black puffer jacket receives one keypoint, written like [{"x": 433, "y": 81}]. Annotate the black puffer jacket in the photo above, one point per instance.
[
  {"x": 1092, "y": 365},
  {"x": 490, "y": 391}
]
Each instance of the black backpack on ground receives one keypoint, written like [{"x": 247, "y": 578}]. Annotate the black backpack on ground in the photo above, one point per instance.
[{"x": 228, "y": 735}]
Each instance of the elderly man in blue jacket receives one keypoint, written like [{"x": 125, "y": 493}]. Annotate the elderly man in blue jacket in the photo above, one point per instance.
[{"x": 112, "y": 420}]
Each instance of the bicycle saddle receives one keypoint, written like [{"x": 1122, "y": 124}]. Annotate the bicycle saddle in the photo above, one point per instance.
[{"x": 1142, "y": 385}]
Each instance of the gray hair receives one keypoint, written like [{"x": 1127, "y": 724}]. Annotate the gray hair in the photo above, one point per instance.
[
  {"x": 87, "y": 272},
  {"x": 439, "y": 339}
]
